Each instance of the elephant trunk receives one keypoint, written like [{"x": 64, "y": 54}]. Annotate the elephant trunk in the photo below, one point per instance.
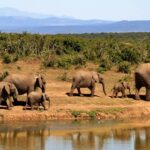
[
  {"x": 148, "y": 94},
  {"x": 43, "y": 88},
  {"x": 103, "y": 86},
  {"x": 49, "y": 102}
]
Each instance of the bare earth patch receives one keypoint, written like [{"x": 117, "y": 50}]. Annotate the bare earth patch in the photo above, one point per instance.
[{"x": 76, "y": 107}]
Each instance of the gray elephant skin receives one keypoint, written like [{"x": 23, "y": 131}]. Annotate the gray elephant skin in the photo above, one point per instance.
[
  {"x": 86, "y": 79},
  {"x": 26, "y": 83},
  {"x": 36, "y": 98},
  {"x": 142, "y": 79},
  {"x": 121, "y": 87},
  {"x": 7, "y": 91}
]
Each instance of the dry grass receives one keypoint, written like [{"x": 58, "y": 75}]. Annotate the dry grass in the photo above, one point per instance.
[{"x": 57, "y": 89}]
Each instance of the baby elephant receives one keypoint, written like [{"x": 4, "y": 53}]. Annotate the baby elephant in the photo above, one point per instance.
[
  {"x": 35, "y": 99},
  {"x": 121, "y": 87}
]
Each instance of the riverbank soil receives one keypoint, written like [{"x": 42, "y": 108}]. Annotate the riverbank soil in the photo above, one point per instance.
[{"x": 75, "y": 107}]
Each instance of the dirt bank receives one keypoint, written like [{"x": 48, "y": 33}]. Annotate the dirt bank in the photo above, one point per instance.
[{"x": 76, "y": 107}]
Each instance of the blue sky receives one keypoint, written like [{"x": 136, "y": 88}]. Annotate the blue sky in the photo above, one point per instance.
[{"x": 86, "y": 9}]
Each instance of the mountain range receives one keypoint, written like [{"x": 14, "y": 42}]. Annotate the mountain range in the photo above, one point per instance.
[{"x": 13, "y": 20}]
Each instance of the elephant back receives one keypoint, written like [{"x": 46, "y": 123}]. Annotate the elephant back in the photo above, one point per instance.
[
  {"x": 143, "y": 69},
  {"x": 142, "y": 75}
]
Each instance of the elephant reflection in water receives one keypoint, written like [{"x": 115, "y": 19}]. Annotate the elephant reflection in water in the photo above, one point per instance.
[
  {"x": 29, "y": 139},
  {"x": 88, "y": 141},
  {"x": 122, "y": 134},
  {"x": 83, "y": 140},
  {"x": 142, "y": 139},
  {"x": 94, "y": 140}
]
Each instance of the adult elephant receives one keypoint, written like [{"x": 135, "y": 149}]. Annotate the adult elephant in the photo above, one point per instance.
[
  {"x": 7, "y": 90},
  {"x": 142, "y": 79},
  {"x": 26, "y": 83},
  {"x": 86, "y": 79}
]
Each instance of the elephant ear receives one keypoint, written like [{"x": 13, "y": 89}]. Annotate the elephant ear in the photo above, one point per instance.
[
  {"x": 38, "y": 81},
  {"x": 95, "y": 77},
  {"x": 6, "y": 88}
]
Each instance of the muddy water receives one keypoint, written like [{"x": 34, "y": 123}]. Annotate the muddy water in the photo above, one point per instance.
[{"x": 76, "y": 135}]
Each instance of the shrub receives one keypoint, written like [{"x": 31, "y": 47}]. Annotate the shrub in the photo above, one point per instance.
[
  {"x": 6, "y": 58},
  {"x": 105, "y": 65},
  {"x": 130, "y": 55},
  {"x": 49, "y": 60},
  {"x": 64, "y": 62},
  {"x": 15, "y": 58},
  {"x": 79, "y": 60},
  {"x": 124, "y": 67},
  {"x": 76, "y": 113}
]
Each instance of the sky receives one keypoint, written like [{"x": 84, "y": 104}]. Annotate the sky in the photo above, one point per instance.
[{"x": 85, "y": 9}]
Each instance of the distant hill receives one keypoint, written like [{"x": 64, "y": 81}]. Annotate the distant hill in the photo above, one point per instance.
[{"x": 13, "y": 20}]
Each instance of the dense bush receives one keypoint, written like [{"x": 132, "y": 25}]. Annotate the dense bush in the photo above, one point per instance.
[
  {"x": 6, "y": 58},
  {"x": 124, "y": 67},
  {"x": 105, "y": 65},
  {"x": 49, "y": 60},
  {"x": 66, "y": 50}
]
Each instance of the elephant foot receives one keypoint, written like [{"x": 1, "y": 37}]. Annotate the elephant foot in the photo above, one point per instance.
[
  {"x": 137, "y": 98},
  {"x": 12, "y": 105},
  {"x": 24, "y": 108},
  {"x": 92, "y": 95},
  {"x": 9, "y": 108},
  {"x": 81, "y": 94},
  {"x": 70, "y": 94}
]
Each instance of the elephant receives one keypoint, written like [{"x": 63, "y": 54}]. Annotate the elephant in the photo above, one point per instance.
[
  {"x": 7, "y": 90},
  {"x": 26, "y": 83},
  {"x": 121, "y": 87},
  {"x": 86, "y": 79},
  {"x": 142, "y": 79},
  {"x": 37, "y": 98}
]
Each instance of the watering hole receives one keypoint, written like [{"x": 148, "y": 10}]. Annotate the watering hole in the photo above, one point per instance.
[{"x": 76, "y": 135}]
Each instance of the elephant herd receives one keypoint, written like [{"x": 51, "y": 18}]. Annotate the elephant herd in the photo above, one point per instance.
[{"x": 18, "y": 84}]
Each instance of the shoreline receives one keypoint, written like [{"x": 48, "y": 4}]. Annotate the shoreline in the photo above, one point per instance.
[{"x": 107, "y": 113}]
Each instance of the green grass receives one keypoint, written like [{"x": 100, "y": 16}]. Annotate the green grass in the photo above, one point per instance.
[{"x": 93, "y": 113}]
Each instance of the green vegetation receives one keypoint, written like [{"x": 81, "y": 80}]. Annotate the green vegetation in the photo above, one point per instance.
[
  {"x": 124, "y": 67},
  {"x": 96, "y": 112},
  {"x": 64, "y": 51},
  {"x": 76, "y": 113}
]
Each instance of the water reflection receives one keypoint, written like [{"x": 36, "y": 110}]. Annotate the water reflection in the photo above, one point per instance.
[{"x": 75, "y": 136}]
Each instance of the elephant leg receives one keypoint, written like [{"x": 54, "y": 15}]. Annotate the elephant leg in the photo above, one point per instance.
[
  {"x": 38, "y": 106},
  {"x": 11, "y": 102},
  {"x": 72, "y": 89},
  {"x": 129, "y": 91},
  {"x": 27, "y": 104},
  {"x": 113, "y": 94},
  {"x": 43, "y": 104},
  {"x": 32, "y": 107},
  {"x": 116, "y": 94},
  {"x": 148, "y": 94},
  {"x": 8, "y": 103},
  {"x": 137, "y": 96},
  {"x": 79, "y": 92},
  {"x": 124, "y": 94},
  {"x": 92, "y": 91}
]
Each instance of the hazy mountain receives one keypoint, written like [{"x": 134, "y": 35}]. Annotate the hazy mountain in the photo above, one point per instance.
[
  {"x": 7, "y": 11},
  {"x": 14, "y": 17},
  {"x": 13, "y": 20}
]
